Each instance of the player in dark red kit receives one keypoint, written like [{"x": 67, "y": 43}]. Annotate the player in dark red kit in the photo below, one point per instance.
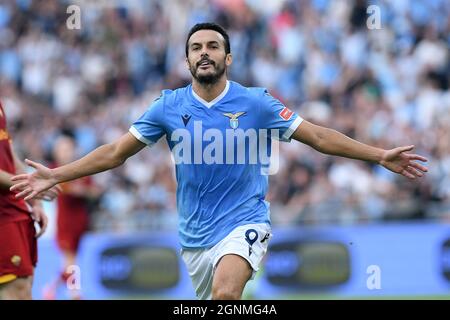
[
  {"x": 72, "y": 219},
  {"x": 18, "y": 244}
]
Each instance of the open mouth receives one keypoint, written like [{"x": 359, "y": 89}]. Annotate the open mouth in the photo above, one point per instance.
[{"x": 205, "y": 64}]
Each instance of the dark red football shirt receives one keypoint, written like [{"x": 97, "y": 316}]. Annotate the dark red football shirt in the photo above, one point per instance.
[{"x": 11, "y": 209}]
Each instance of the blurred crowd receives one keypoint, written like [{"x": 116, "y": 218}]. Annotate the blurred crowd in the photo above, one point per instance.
[{"x": 384, "y": 86}]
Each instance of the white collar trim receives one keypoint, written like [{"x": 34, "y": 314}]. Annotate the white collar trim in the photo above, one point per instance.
[{"x": 212, "y": 102}]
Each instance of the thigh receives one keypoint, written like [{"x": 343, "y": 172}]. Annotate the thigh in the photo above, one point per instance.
[
  {"x": 17, "y": 289},
  {"x": 231, "y": 274}
]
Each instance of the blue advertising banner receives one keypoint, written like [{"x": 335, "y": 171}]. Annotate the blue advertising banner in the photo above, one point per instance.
[
  {"x": 358, "y": 261},
  {"x": 342, "y": 261}
]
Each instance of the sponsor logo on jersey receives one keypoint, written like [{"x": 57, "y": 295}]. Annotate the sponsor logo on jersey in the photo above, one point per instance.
[{"x": 186, "y": 119}]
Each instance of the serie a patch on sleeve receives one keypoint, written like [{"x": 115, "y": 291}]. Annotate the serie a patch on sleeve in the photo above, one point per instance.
[{"x": 286, "y": 113}]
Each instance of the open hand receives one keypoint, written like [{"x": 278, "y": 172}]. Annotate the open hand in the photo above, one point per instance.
[
  {"x": 30, "y": 185},
  {"x": 398, "y": 161}
]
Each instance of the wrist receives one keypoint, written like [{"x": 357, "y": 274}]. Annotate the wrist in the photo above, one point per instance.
[
  {"x": 54, "y": 176},
  {"x": 381, "y": 155},
  {"x": 35, "y": 203}
]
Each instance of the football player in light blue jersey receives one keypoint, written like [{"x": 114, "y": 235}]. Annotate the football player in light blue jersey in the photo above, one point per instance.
[
  {"x": 219, "y": 133},
  {"x": 216, "y": 151}
]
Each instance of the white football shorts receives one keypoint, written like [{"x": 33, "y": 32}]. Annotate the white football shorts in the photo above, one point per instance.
[{"x": 248, "y": 241}]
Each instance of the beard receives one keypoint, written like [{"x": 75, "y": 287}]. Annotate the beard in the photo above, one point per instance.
[{"x": 211, "y": 77}]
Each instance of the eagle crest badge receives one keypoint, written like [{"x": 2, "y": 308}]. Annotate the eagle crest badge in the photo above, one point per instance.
[{"x": 234, "y": 121}]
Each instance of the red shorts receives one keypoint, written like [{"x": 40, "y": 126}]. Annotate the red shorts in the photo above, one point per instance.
[
  {"x": 70, "y": 230},
  {"x": 18, "y": 248}
]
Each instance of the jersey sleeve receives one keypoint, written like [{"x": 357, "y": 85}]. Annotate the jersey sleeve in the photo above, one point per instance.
[
  {"x": 149, "y": 128},
  {"x": 275, "y": 115}
]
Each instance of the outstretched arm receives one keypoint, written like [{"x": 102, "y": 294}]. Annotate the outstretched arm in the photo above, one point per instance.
[
  {"x": 332, "y": 142},
  {"x": 103, "y": 158}
]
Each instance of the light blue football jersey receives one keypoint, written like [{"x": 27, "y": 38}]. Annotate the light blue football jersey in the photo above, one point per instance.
[{"x": 219, "y": 149}]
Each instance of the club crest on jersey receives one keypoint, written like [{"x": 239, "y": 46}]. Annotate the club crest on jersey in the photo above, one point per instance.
[
  {"x": 16, "y": 260},
  {"x": 234, "y": 121}
]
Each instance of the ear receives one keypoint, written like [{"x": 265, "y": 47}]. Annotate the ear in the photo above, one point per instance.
[
  {"x": 228, "y": 59},
  {"x": 187, "y": 63}
]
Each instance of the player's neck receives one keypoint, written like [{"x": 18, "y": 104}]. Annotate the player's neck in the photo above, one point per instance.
[{"x": 210, "y": 91}]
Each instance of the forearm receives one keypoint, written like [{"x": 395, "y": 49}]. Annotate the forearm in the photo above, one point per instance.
[
  {"x": 20, "y": 167},
  {"x": 5, "y": 180},
  {"x": 332, "y": 142},
  {"x": 5, "y": 177},
  {"x": 101, "y": 159}
]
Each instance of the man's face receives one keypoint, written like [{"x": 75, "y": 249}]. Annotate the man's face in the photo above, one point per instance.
[
  {"x": 64, "y": 150},
  {"x": 206, "y": 59}
]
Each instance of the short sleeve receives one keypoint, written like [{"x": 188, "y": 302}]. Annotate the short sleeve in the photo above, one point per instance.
[
  {"x": 275, "y": 115},
  {"x": 149, "y": 127}
]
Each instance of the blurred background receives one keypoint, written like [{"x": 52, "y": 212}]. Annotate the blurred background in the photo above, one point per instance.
[{"x": 335, "y": 220}]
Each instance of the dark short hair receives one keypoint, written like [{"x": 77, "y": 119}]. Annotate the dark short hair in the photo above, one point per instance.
[{"x": 209, "y": 26}]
